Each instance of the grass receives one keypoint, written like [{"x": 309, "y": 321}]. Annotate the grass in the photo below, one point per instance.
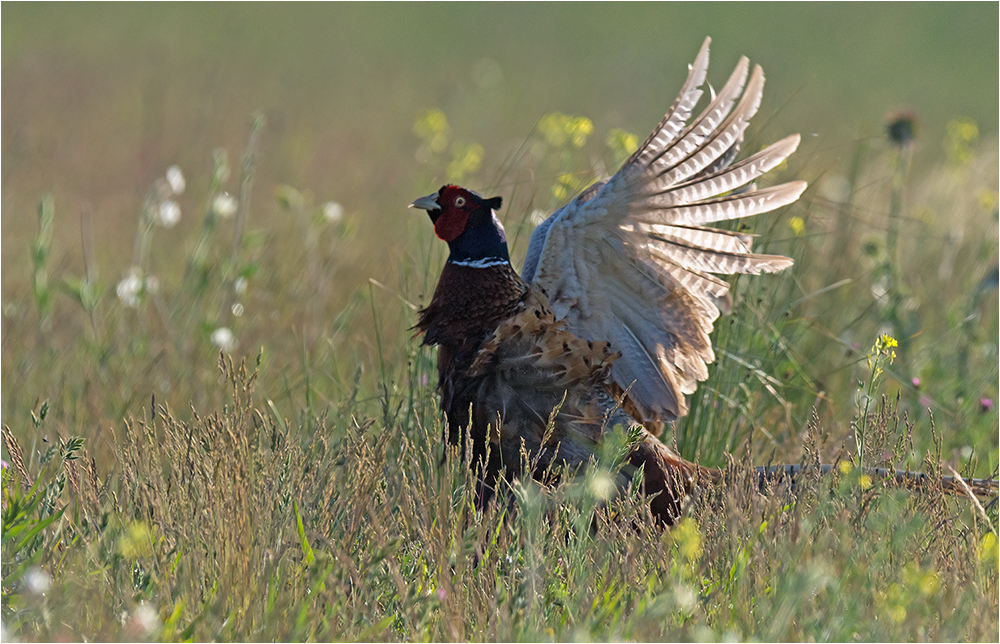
[
  {"x": 229, "y": 526},
  {"x": 294, "y": 489}
]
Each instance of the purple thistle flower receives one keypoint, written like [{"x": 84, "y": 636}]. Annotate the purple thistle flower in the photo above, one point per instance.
[
  {"x": 915, "y": 382},
  {"x": 901, "y": 126},
  {"x": 986, "y": 405}
]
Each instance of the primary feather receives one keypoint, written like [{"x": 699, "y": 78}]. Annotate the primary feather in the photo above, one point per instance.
[{"x": 631, "y": 259}]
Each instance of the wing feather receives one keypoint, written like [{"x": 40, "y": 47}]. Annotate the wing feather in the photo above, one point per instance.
[
  {"x": 719, "y": 182},
  {"x": 632, "y": 260},
  {"x": 717, "y": 143},
  {"x": 673, "y": 121},
  {"x": 733, "y": 206},
  {"x": 689, "y": 148}
]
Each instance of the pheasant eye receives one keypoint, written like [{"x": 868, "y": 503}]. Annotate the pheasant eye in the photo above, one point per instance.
[{"x": 460, "y": 201}]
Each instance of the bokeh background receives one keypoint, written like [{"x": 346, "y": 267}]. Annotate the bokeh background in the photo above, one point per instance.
[
  {"x": 369, "y": 106},
  {"x": 99, "y": 99}
]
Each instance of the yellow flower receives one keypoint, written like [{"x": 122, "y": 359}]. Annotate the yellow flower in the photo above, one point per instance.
[
  {"x": 136, "y": 541},
  {"x": 989, "y": 552},
  {"x": 432, "y": 127},
  {"x": 987, "y": 199},
  {"x": 798, "y": 226},
  {"x": 579, "y": 129},
  {"x": 466, "y": 159},
  {"x": 622, "y": 144},
  {"x": 688, "y": 538},
  {"x": 963, "y": 129},
  {"x": 558, "y": 129},
  {"x": 929, "y": 583}
]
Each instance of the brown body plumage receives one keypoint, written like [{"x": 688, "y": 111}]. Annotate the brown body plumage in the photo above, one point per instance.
[
  {"x": 468, "y": 304},
  {"x": 511, "y": 363}
]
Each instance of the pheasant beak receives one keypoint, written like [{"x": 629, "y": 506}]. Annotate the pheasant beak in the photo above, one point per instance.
[{"x": 427, "y": 203}]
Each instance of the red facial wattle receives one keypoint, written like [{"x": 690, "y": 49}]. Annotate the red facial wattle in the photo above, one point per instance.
[{"x": 451, "y": 223}]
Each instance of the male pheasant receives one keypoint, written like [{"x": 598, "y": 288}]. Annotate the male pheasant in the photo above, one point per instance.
[{"x": 608, "y": 323}]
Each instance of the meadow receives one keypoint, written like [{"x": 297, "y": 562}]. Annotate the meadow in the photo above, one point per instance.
[{"x": 218, "y": 425}]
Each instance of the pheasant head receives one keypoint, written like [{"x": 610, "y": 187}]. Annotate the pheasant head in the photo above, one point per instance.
[{"x": 468, "y": 223}]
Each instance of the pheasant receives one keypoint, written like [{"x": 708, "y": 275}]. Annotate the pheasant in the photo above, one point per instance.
[{"x": 608, "y": 322}]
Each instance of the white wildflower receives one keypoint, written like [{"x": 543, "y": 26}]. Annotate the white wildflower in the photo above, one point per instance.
[
  {"x": 175, "y": 178},
  {"x": 601, "y": 485},
  {"x": 333, "y": 211},
  {"x": 237, "y": 309},
  {"x": 170, "y": 213},
  {"x": 686, "y": 597},
  {"x": 880, "y": 287},
  {"x": 240, "y": 285},
  {"x": 537, "y": 216},
  {"x": 224, "y": 339},
  {"x": 224, "y": 205},
  {"x": 147, "y": 619},
  {"x": 37, "y": 580},
  {"x": 129, "y": 288}
]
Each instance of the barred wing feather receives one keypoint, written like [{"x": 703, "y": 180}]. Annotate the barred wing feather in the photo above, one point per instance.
[{"x": 632, "y": 260}]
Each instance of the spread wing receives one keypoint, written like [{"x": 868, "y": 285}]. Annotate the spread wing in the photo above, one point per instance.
[{"x": 631, "y": 260}]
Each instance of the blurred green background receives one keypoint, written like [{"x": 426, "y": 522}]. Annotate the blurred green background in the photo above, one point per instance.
[{"x": 100, "y": 99}]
